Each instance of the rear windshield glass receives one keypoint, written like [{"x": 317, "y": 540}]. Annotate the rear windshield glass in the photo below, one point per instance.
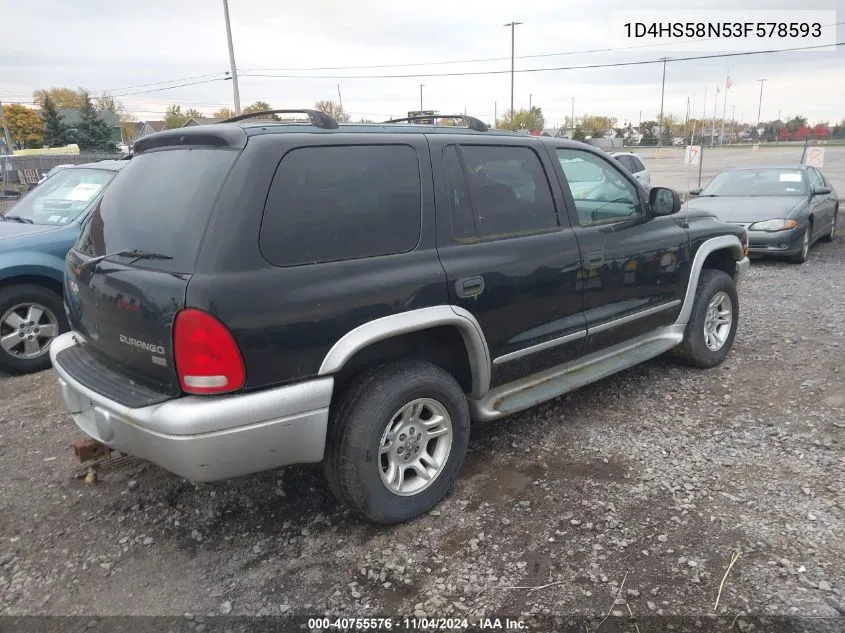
[
  {"x": 757, "y": 182},
  {"x": 63, "y": 197},
  {"x": 159, "y": 203}
]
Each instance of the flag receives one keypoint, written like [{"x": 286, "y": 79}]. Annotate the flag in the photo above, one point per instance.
[{"x": 728, "y": 83}]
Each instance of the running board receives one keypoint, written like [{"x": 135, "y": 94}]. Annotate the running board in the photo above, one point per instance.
[{"x": 529, "y": 391}]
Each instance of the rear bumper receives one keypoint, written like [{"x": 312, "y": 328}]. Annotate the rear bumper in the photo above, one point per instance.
[{"x": 206, "y": 438}]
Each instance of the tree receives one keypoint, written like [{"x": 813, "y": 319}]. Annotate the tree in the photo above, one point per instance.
[
  {"x": 62, "y": 97},
  {"x": 838, "y": 130},
  {"x": 26, "y": 129},
  {"x": 224, "y": 113},
  {"x": 261, "y": 106},
  {"x": 821, "y": 131},
  {"x": 173, "y": 117},
  {"x": 530, "y": 120},
  {"x": 333, "y": 110},
  {"x": 578, "y": 134},
  {"x": 55, "y": 130},
  {"x": 801, "y": 133},
  {"x": 193, "y": 113},
  {"x": 92, "y": 132},
  {"x": 107, "y": 103},
  {"x": 596, "y": 125},
  {"x": 795, "y": 123}
]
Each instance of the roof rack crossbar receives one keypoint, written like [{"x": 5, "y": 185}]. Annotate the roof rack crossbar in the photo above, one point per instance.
[
  {"x": 318, "y": 119},
  {"x": 472, "y": 123}
]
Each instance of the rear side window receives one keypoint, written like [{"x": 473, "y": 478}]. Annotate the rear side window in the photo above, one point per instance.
[
  {"x": 497, "y": 191},
  {"x": 160, "y": 203},
  {"x": 626, "y": 163},
  {"x": 338, "y": 203}
]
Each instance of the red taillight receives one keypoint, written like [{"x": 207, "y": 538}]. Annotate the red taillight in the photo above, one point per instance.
[{"x": 207, "y": 358}]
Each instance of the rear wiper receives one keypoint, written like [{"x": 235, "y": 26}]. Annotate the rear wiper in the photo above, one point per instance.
[
  {"x": 133, "y": 254},
  {"x": 17, "y": 218}
]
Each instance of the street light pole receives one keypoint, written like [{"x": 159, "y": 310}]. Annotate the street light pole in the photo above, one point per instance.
[
  {"x": 513, "y": 25},
  {"x": 760, "y": 103},
  {"x": 235, "y": 92},
  {"x": 662, "y": 91}
]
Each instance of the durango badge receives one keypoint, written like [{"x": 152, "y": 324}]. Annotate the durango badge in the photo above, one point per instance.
[{"x": 150, "y": 347}]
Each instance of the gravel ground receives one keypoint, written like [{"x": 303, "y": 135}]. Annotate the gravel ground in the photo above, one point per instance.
[{"x": 630, "y": 493}]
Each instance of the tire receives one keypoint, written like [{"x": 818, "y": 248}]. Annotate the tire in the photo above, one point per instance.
[
  {"x": 16, "y": 304},
  {"x": 355, "y": 466},
  {"x": 832, "y": 235},
  {"x": 804, "y": 254},
  {"x": 713, "y": 285}
]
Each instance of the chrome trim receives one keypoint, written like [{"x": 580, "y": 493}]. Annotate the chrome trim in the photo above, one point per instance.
[
  {"x": 527, "y": 392},
  {"x": 414, "y": 321},
  {"x": 713, "y": 244},
  {"x": 633, "y": 317},
  {"x": 539, "y": 347}
]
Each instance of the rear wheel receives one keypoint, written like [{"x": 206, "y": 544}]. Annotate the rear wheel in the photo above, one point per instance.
[
  {"x": 31, "y": 317},
  {"x": 710, "y": 332},
  {"x": 397, "y": 441}
]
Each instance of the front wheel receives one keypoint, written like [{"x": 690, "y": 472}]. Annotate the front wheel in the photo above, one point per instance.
[
  {"x": 397, "y": 441},
  {"x": 31, "y": 317},
  {"x": 710, "y": 332},
  {"x": 832, "y": 235},
  {"x": 801, "y": 256}
]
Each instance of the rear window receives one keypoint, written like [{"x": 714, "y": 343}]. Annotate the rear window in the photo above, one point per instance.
[
  {"x": 63, "y": 197},
  {"x": 159, "y": 203},
  {"x": 339, "y": 203}
]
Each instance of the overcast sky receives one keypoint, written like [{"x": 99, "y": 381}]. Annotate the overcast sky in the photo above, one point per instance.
[{"x": 115, "y": 46}]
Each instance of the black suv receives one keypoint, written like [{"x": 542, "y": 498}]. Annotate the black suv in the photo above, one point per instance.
[{"x": 253, "y": 294}]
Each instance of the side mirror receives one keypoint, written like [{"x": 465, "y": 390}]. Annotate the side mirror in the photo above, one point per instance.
[
  {"x": 663, "y": 201},
  {"x": 695, "y": 192},
  {"x": 821, "y": 191}
]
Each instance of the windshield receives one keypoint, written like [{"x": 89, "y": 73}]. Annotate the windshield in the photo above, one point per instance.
[
  {"x": 757, "y": 182},
  {"x": 63, "y": 197}
]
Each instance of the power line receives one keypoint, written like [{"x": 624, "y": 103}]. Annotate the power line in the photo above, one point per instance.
[
  {"x": 496, "y": 59},
  {"x": 193, "y": 83},
  {"x": 159, "y": 83},
  {"x": 537, "y": 70}
]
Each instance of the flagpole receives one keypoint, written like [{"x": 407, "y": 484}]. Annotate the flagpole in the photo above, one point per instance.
[
  {"x": 713, "y": 127},
  {"x": 725, "y": 108}
]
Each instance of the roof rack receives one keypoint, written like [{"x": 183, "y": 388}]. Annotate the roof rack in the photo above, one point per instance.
[
  {"x": 318, "y": 119},
  {"x": 472, "y": 123}
]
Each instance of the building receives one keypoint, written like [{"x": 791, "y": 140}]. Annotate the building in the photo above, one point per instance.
[
  {"x": 148, "y": 127},
  {"x": 200, "y": 120}
]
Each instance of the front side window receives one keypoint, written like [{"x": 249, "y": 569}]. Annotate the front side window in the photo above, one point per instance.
[
  {"x": 61, "y": 198},
  {"x": 334, "y": 203},
  {"x": 601, "y": 193},
  {"x": 497, "y": 191}
]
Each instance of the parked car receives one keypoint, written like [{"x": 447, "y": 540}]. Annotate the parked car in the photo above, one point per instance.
[
  {"x": 249, "y": 295},
  {"x": 785, "y": 209},
  {"x": 35, "y": 235},
  {"x": 633, "y": 164},
  {"x": 53, "y": 172}
]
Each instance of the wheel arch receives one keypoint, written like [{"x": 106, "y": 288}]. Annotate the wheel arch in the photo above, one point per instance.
[
  {"x": 50, "y": 283},
  {"x": 720, "y": 253},
  {"x": 381, "y": 338}
]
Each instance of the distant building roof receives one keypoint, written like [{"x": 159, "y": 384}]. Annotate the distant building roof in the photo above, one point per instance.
[
  {"x": 72, "y": 117},
  {"x": 157, "y": 126},
  {"x": 200, "y": 120}
]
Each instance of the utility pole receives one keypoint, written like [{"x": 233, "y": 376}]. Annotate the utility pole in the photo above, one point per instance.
[
  {"x": 339, "y": 98},
  {"x": 725, "y": 108},
  {"x": 421, "y": 87},
  {"x": 573, "y": 118},
  {"x": 513, "y": 25},
  {"x": 686, "y": 120},
  {"x": 235, "y": 92},
  {"x": 760, "y": 103},
  {"x": 6, "y": 131},
  {"x": 662, "y": 90},
  {"x": 733, "y": 122},
  {"x": 530, "y": 96},
  {"x": 495, "y": 114}
]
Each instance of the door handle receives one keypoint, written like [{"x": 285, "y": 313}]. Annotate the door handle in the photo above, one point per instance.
[
  {"x": 594, "y": 259},
  {"x": 470, "y": 286}
]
